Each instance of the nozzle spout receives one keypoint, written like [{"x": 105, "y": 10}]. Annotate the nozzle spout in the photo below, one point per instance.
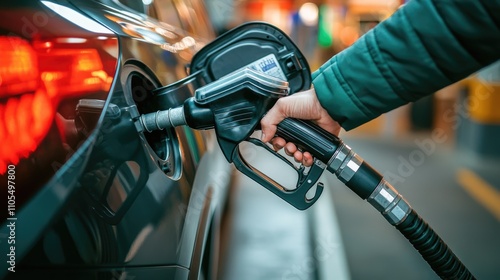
[{"x": 160, "y": 120}]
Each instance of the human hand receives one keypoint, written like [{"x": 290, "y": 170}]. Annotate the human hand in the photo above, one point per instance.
[{"x": 302, "y": 105}]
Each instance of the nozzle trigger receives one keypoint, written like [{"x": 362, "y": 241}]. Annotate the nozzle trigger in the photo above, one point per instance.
[{"x": 296, "y": 197}]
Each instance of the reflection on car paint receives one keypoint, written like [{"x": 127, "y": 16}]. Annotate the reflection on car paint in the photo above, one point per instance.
[{"x": 77, "y": 18}]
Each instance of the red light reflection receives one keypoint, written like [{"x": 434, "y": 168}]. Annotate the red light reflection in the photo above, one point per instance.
[
  {"x": 24, "y": 121},
  {"x": 33, "y": 81}
]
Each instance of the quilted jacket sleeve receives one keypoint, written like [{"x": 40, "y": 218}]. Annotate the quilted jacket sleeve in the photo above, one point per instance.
[{"x": 422, "y": 47}]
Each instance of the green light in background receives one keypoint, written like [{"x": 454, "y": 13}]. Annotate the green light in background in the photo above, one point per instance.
[{"x": 325, "y": 37}]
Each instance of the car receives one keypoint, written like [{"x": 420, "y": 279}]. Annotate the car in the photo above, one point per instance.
[{"x": 89, "y": 194}]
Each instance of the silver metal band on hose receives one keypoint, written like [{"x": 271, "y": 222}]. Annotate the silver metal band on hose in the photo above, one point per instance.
[
  {"x": 338, "y": 157},
  {"x": 344, "y": 163},
  {"x": 389, "y": 202}
]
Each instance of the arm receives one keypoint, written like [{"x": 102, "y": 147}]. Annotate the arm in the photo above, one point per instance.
[{"x": 423, "y": 47}]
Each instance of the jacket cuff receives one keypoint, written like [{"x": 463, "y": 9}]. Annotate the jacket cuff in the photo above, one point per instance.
[{"x": 336, "y": 97}]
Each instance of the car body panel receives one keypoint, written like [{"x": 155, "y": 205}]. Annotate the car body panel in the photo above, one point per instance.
[{"x": 116, "y": 203}]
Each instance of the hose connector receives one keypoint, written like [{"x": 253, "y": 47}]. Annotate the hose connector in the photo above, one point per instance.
[
  {"x": 344, "y": 163},
  {"x": 386, "y": 199},
  {"x": 353, "y": 171}
]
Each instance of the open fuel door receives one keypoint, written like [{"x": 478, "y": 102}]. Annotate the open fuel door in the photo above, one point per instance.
[{"x": 256, "y": 45}]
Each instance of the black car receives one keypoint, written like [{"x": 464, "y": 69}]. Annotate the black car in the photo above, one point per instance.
[{"x": 87, "y": 193}]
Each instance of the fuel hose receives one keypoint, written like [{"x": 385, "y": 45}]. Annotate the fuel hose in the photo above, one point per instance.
[{"x": 370, "y": 185}]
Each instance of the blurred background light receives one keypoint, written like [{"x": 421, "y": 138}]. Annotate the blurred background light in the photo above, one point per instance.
[
  {"x": 308, "y": 13},
  {"x": 325, "y": 32}
]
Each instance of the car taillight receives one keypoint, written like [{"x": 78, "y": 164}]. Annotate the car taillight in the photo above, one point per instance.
[
  {"x": 36, "y": 76},
  {"x": 73, "y": 71},
  {"x": 27, "y": 112},
  {"x": 18, "y": 66}
]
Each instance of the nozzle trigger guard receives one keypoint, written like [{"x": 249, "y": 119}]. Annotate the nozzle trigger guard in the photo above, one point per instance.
[{"x": 296, "y": 197}]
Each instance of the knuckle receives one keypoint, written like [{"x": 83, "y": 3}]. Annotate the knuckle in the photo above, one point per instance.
[
  {"x": 265, "y": 124},
  {"x": 280, "y": 105}
]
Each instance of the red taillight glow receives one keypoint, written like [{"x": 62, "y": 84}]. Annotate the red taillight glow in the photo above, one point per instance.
[
  {"x": 18, "y": 66},
  {"x": 34, "y": 78},
  {"x": 24, "y": 121},
  {"x": 73, "y": 71}
]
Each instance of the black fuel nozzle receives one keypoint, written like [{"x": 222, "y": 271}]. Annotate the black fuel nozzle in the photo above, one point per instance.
[{"x": 233, "y": 106}]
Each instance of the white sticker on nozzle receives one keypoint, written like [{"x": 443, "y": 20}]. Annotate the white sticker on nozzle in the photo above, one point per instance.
[{"x": 268, "y": 65}]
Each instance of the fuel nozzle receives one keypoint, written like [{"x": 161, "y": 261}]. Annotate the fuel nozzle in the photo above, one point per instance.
[{"x": 233, "y": 106}]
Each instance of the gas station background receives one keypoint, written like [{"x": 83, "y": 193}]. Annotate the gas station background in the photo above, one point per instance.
[
  {"x": 463, "y": 165},
  {"x": 319, "y": 28},
  {"x": 322, "y": 28}
]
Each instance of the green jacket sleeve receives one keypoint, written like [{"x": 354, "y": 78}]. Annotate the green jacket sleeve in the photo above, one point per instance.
[{"x": 423, "y": 47}]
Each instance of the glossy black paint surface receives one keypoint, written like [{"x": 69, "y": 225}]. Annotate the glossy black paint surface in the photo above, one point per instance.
[{"x": 119, "y": 205}]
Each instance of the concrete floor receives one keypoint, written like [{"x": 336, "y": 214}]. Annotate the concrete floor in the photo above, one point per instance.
[{"x": 268, "y": 239}]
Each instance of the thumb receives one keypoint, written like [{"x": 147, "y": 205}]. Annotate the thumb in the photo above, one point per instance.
[
  {"x": 270, "y": 122},
  {"x": 298, "y": 105}
]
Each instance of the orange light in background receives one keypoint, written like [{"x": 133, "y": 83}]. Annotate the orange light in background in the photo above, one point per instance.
[
  {"x": 385, "y": 7},
  {"x": 349, "y": 35},
  {"x": 275, "y": 12}
]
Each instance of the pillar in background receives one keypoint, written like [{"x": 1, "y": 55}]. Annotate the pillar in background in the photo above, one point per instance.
[{"x": 478, "y": 126}]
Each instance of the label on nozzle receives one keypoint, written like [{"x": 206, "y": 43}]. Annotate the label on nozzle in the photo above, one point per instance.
[{"x": 268, "y": 65}]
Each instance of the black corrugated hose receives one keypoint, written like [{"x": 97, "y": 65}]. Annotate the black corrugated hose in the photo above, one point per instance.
[
  {"x": 369, "y": 184},
  {"x": 442, "y": 260}
]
